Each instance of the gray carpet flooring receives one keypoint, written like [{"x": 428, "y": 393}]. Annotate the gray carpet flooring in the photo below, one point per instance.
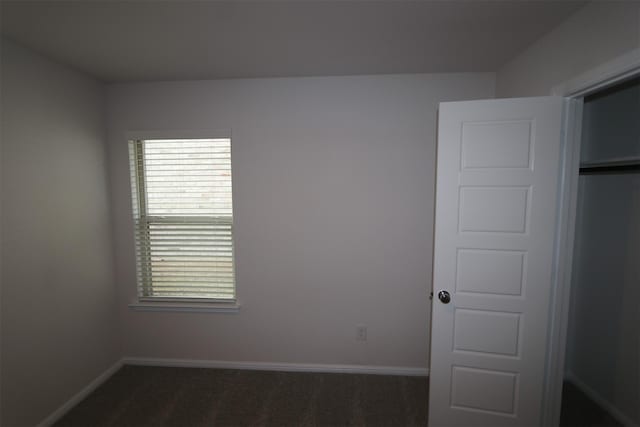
[{"x": 140, "y": 396}]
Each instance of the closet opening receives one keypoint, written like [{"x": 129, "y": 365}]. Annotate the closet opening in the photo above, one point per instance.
[{"x": 601, "y": 384}]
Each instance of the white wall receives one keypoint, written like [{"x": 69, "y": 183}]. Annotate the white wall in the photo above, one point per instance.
[
  {"x": 59, "y": 323},
  {"x": 333, "y": 205},
  {"x": 603, "y": 346},
  {"x": 595, "y": 34}
]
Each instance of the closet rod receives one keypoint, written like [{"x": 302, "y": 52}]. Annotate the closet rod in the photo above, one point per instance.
[{"x": 610, "y": 169}]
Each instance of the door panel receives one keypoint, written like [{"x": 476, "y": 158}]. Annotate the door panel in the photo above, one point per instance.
[
  {"x": 491, "y": 332},
  {"x": 493, "y": 209},
  {"x": 497, "y": 181}
]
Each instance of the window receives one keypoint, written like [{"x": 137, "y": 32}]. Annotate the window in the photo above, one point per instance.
[{"x": 182, "y": 207}]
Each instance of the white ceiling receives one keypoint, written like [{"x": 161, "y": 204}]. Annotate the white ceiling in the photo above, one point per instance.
[{"x": 119, "y": 41}]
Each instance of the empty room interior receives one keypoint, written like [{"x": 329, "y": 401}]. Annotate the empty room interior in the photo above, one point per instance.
[{"x": 320, "y": 213}]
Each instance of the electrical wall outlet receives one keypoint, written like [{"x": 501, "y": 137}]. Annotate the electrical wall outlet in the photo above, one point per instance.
[{"x": 361, "y": 332}]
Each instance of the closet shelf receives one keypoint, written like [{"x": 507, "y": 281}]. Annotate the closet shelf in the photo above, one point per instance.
[{"x": 612, "y": 166}]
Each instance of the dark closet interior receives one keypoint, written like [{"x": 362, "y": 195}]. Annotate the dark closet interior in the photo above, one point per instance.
[{"x": 602, "y": 368}]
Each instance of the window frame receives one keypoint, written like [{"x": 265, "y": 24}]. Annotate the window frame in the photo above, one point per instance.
[{"x": 138, "y": 200}]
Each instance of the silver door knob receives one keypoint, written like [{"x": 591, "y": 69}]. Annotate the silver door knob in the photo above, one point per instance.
[{"x": 444, "y": 297}]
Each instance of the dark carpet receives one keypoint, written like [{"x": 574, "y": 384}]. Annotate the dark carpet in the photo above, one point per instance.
[
  {"x": 578, "y": 410},
  {"x": 139, "y": 396}
]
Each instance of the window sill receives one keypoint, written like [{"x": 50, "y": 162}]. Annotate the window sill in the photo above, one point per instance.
[{"x": 188, "y": 307}]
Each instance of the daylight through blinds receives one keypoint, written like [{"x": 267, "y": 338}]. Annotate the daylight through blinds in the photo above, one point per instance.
[{"x": 183, "y": 218}]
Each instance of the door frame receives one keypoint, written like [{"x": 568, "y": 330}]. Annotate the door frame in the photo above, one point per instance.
[{"x": 615, "y": 71}]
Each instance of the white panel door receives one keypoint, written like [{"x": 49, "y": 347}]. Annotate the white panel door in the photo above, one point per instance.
[{"x": 497, "y": 183}]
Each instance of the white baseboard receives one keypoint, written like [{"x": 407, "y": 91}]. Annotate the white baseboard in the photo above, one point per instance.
[
  {"x": 58, "y": 413},
  {"x": 269, "y": 366},
  {"x": 604, "y": 403}
]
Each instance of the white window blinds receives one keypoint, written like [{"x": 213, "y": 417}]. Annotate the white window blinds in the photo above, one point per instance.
[{"x": 183, "y": 218}]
